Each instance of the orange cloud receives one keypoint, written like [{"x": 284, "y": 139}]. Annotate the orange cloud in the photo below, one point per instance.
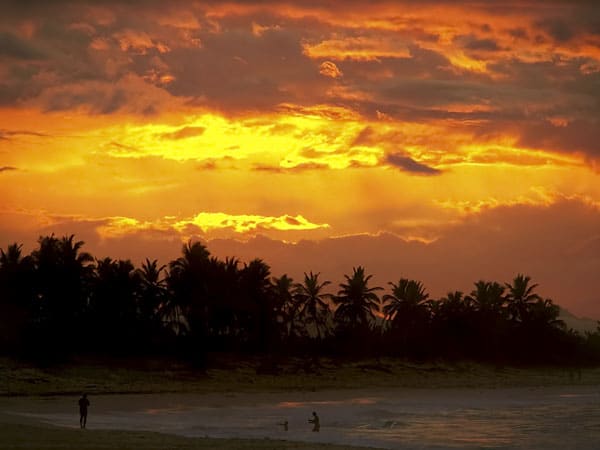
[
  {"x": 206, "y": 222},
  {"x": 358, "y": 48},
  {"x": 329, "y": 69}
]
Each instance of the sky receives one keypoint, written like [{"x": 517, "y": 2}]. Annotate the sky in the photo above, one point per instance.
[{"x": 437, "y": 140}]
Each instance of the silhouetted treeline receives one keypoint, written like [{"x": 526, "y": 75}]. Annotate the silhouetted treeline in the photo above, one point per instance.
[{"x": 59, "y": 300}]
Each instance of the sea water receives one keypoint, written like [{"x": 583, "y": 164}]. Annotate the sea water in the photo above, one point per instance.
[{"x": 504, "y": 418}]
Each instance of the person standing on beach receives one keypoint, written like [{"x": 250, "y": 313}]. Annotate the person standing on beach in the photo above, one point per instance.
[
  {"x": 315, "y": 421},
  {"x": 83, "y": 410}
]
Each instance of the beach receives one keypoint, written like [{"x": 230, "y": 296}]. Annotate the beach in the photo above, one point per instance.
[{"x": 554, "y": 417}]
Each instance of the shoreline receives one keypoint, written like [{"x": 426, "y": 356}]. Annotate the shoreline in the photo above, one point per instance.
[{"x": 16, "y": 435}]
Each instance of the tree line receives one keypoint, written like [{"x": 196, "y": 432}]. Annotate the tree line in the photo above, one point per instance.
[{"x": 59, "y": 300}]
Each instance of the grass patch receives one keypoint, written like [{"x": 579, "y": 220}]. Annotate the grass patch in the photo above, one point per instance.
[{"x": 228, "y": 374}]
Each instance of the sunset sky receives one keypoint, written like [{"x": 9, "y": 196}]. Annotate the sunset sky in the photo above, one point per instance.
[{"x": 438, "y": 140}]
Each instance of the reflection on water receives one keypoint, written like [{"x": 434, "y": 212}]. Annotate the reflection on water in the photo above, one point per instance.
[
  {"x": 352, "y": 401},
  {"x": 542, "y": 418}
]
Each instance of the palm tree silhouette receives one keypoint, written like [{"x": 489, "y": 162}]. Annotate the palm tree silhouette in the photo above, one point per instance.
[
  {"x": 288, "y": 307},
  {"x": 488, "y": 298},
  {"x": 224, "y": 298},
  {"x": 407, "y": 301},
  {"x": 16, "y": 296},
  {"x": 113, "y": 303},
  {"x": 520, "y": 297},
  {"x": 188, "y": 283},
  {"x": 12, "y": 257},
  {"x": 16, "y": 273},
  {"x": 491, "y": 318},
  {"x": 314, "y": 311},
  {"x": 256, "y": 285},
  {"x": 453, "y": 305},
  {"x": 152, "y": 291},
  {"x": 151, "y": 297},
  {"x": 63, "y": 275},
  {"x": 453, "y": 324},
  {"x": 356, "y": 301},
  {"x": 544, "y": 314},
  {"x": 408, "y": 316}
]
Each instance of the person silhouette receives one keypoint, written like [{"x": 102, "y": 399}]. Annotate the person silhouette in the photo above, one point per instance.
[
  {"x": 284, "y": 424},
  {"x": 83, "y": 410},
  {"x": 315, "y": 421}
]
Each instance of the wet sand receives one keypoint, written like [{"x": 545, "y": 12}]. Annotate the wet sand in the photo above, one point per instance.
[{"x": 560, "y": 417}]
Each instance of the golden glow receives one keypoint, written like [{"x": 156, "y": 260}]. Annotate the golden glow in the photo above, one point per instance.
[
  {"x": 206, "y": 222},
  {"x": 244, "y": 222},
  {"x": 322, "y": 135},
  {"x": 358, "y": 48},
  {"x": 301, "y": 171}
]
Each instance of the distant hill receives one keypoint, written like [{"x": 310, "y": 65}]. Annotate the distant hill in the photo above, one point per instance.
[{"x": 581, "y": 324}]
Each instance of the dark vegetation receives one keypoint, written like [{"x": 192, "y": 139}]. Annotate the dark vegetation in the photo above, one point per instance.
[{"x": 59, "y": 302}]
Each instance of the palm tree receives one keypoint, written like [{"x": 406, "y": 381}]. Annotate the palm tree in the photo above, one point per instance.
[
  {"x": 488, "y": 298},
  {"x": 16, "y": 296},
  {"x": 152, "y": 294},
  {"x": 187, "y": 281},
  {"x": 451, "y": 307},
  {"x": 256, "y": 286},
  {"x": 63, "y": 275},
  {"x": 16, "y": 272},
  {"x": 288, "y": 306},
  {"x": 224, "y": 298},
  {"x": 314, "y": 311},
  {"x": 453, "y": 324},
  {"x": 356, "y": 301},
  {"x": 520, "y": 297},
  {"x": 11, "y": 257},
  {"x": 113, "y": 303},
  {"x": 194, "y": 259},
  {"x": 490, "y": 319},
  {"x": 544, "y": 313},
  {"x": 407, "y": 313},
  {"x": 406, "y": 302}
]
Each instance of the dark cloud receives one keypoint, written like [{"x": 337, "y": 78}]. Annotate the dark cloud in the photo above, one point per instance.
[
  {"x": 7, "y": 168},
  {"x": 8, "y": 134},
  {"x": 240, "y": 70},
  {"x": 185, "y": 132},
  {"x": 107, "y": 102},
  {"x": 224, "y": 163},
  {"x": 422, "y": 63},
  {"x": 254, "y": 59},
  {"x": 13, "y": 47},
  {"x": 576, "y": 136},
  {"x": 124, "y": 148},
  {"x": 297, "y": 168},
  {"x": 8, "y": 95},
  {"x": 292, "y": 221},
  {"x": 472, "y": 42},
  {"x": 557, "y": 28},
  {"x": 518, "y": 33},
  {"x": 423, "y": 93},
  {"x": 365, "y": 137},
  {"x": 407, "y": 164}
]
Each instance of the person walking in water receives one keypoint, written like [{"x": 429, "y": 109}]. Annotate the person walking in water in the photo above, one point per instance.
[
  {"x": 315, "y": 422},
  {"x": 83, "y": 410}
]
